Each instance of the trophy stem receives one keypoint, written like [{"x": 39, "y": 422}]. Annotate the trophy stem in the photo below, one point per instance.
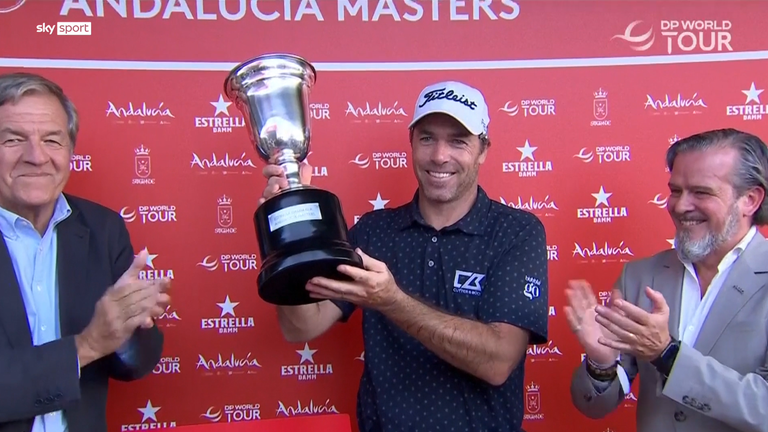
[{"x": 286, "y": 159}]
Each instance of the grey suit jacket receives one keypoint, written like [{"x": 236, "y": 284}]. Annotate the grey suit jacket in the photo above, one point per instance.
[{"x": 718, "y": 385}]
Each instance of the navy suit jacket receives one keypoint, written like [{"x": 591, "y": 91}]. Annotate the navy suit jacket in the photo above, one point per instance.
[{"x": 94, "y": 250}]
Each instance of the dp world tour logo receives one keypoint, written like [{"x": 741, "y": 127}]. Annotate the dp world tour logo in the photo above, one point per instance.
[{"x": 7, "y": 6}]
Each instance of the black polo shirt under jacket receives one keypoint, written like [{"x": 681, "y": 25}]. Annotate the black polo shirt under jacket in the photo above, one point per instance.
[{"x": 490, "y": 266}]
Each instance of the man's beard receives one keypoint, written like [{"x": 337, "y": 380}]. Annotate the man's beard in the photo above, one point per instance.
[{"x": 696, "y": 250}]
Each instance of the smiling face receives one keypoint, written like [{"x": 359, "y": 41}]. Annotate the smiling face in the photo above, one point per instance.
[
  {"x": 35, "y": 153},
  {"x": 708, "y": 215},
  {"x": 446, "y": 158}
]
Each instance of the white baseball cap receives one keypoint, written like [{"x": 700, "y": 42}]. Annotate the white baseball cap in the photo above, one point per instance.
[{"x": 458, "y": 100}]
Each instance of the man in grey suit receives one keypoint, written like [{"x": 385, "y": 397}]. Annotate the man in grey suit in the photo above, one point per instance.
[{"x": 692, "y": 321}]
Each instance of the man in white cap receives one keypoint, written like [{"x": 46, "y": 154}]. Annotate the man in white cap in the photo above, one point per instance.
[{"x": 454, "y": 287}]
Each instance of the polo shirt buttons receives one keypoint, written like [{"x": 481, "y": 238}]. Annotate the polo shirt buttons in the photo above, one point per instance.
[
  {"x": 431, "y": 263},
  {"x": 434, "y": 239}
]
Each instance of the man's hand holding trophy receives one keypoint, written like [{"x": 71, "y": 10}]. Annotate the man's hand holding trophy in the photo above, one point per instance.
[{"x": 301, "y": 229}]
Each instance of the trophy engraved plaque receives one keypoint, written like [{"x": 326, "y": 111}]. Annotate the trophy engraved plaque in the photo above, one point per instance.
[{"x": 301, "y": 230}]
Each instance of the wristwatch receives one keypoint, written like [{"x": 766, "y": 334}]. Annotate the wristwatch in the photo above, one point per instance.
[{"x": 664, "y": 362}]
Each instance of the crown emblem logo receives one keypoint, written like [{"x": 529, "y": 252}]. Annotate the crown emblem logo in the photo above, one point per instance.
[
  {"x": 601, "y": 94},
  {"x": 674, "y": 139},
  {"x": 142, "y": 151},
  {"x": 532, "y": 387},
  {"x": 225, "y": 200}
]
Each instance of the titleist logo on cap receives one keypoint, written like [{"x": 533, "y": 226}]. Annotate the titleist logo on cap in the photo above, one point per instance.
[{"x": 438, "y": 94}]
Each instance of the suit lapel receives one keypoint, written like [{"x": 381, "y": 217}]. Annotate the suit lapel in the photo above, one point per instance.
[
  {"x": 746, "y": 277},
  {"x": 72, "y": 260},
  {"x": 13, "y": 313},
  {"x": 669, "y": 282}
]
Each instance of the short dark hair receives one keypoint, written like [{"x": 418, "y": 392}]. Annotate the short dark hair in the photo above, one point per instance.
[
  {"x": 750, "y": 170},
  {"x": 14, "y": 86}
]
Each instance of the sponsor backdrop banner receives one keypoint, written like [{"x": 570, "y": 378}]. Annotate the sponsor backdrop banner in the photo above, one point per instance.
[{"x": 585, "y": 98}]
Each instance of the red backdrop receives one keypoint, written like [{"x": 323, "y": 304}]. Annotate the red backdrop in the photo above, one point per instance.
[{"x": 585, "y": 98}]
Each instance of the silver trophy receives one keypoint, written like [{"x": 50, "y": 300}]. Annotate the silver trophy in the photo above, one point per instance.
[{"x": 301, "y": 231}]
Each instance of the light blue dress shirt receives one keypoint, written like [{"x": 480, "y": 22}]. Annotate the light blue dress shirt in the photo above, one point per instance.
[{"x": 34, "y": 259}]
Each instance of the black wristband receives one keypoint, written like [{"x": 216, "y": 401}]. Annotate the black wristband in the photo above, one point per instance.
[
  {"x": 664, "y": 362},
  {"x": 601, "y": 374}
]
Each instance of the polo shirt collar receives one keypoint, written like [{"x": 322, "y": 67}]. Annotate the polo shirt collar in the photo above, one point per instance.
[{"x": 474, "y": 222}]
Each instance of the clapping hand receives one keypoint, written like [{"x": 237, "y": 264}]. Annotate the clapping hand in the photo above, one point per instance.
[
  {"x": 643, "y": 334},
  {"x": 129, "y": 304},
  {"x": 581, "y": 315}
]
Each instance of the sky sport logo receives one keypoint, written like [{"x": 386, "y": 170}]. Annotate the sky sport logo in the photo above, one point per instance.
[{"x": 66, "y": 28}]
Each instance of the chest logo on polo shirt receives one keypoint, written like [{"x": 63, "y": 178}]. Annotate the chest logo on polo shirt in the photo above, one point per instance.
[{"x": 465, "y": 282}]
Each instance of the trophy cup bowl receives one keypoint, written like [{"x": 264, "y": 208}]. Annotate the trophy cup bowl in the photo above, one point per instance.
[{"x": 301, "y": 230}]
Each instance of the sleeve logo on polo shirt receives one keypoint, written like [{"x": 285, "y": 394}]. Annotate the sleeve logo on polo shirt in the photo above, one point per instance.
[
  {"x": 532, "y": 288},
  {"x": 465, "y": 282}
]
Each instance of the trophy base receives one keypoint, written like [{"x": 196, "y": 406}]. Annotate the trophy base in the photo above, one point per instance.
[
  {"x": 302, "y": 234},
  {"x": 282, "y": 280}
]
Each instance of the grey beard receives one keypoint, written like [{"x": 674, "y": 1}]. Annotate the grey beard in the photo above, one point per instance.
[{"x": 696, "y": 250}]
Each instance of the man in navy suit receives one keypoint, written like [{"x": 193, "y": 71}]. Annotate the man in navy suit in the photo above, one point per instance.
[{"x": 73, "y": 311}]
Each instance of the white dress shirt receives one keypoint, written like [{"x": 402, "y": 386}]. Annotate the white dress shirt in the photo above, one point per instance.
[{"x": 693, "y": 308}]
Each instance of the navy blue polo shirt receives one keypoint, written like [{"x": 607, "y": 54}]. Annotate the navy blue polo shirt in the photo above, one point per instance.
[{"x": 491, "y": 266}]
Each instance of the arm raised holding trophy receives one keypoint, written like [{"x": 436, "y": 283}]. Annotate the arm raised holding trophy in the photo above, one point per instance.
[
  {"x": 302, "y": 322},
  {"x": 376, "y": 288},
  {"x": 300, "y": 229}
]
